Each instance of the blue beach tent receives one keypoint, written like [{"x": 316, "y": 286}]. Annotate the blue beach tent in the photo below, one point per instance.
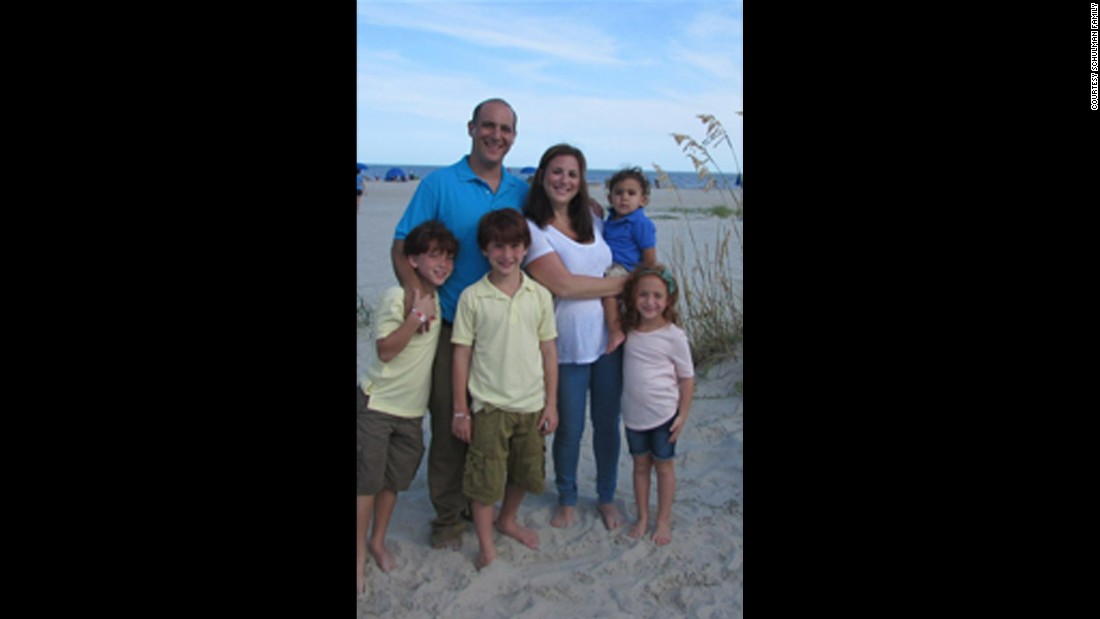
[
  {"x": 362, "y": 166},
  {"x": 527, "y": 171},
  {"x": 396, "y": 174}
]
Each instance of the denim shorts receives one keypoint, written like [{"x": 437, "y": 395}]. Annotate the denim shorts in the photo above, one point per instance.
[{"x": 653, "y": 441}]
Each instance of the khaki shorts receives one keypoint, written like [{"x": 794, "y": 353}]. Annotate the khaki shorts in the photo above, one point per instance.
[
  {"x": 390, "y": 449},
  {"x": 506, "y": 448}
]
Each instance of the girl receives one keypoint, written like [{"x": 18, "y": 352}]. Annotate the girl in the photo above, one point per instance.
[{"x": 659, "y": 380}]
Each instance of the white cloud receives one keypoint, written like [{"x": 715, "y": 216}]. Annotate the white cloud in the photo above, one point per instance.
[
  {"x": 623, "y": 114},
  {"x": 501, "y": 26}
]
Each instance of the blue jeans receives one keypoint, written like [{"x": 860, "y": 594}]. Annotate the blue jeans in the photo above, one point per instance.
[{"x": 604, "y": 378}]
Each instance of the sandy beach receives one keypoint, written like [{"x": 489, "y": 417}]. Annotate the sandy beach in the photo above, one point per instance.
[{"x": 584, "y": 570}]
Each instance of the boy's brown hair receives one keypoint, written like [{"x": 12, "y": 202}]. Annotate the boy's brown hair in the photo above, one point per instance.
[
  {"x": 506, "y": 225},
  {"x": 432, "y": 232}
]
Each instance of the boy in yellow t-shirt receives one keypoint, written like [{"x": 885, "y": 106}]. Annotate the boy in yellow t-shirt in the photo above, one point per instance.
[
  {"x": 506, "y": 359},
  {"x": 393, "y": 395}
]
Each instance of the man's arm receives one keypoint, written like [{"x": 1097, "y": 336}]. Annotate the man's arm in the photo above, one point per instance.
[
  {"x": 404, "y": 271},
  {"x": 406, "y": 276}
]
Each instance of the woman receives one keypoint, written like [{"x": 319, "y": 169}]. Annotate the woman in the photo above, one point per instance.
[{"x": 569, "y": 256}]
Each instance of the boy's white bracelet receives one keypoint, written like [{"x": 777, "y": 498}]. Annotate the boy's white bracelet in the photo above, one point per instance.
[{"x": 459, "y": 415}]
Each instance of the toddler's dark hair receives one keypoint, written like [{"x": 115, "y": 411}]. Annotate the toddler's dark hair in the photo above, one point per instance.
[
  {"x": 431, "y": 232},
  {"x": 506, "y": 225},
  {"x": 625, "y": 173}
]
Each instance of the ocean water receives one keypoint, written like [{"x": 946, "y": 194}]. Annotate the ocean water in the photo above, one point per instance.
[{"x": 684, "y": 180}]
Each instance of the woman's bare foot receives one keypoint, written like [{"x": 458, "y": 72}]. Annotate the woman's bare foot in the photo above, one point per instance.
[
  {"x": 663, "y": 534},
  {"x": 566, "y": 516},
  {"x": 638, "y": 529},
  {"x": 526, "y": 536},
  {"x": 382, "y": 556},
  {"x": 612, "y": 519}
]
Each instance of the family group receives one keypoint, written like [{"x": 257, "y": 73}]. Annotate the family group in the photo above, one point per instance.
[{"x": 520, "y": 305}]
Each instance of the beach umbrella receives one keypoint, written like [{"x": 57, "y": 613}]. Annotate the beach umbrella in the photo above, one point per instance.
[
  {"x": 395, "y": 174},
  {"x": 527, "y": 171},
  {"x": 362, "y": 166}
]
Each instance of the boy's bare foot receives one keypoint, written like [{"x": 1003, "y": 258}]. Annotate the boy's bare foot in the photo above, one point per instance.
[
  {"x": 612, "y": 519},
  {"x": 566, "y": 516},
  {"x": 383, "y": 557},
  {"x": 485, "y": 557},
  {"x": 526, "y": 536},
  {"x": 638, "y": 529},
  {"x": 360, "y": 580},
  {"x": 663, "y": 534}
]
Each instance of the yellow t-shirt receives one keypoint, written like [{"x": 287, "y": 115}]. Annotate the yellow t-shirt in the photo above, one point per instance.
[
  {"x": 506, "y": 364},
  {"x": 401, "y": 386}
]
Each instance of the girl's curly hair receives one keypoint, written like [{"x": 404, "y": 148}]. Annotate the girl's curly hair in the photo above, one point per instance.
[{"x": 631, "y": 317}]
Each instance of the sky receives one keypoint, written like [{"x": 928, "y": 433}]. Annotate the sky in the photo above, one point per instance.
[{"x": 613, "y": 78}]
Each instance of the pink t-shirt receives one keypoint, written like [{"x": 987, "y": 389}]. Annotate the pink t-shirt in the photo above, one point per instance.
[{"x": 653, "y": 364}]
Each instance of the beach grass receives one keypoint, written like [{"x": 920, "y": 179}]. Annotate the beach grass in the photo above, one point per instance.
[
  {"x": 712, "y": 308},
  {"x": 362, "y": 312},
  {"x": 718, "y": 210}
]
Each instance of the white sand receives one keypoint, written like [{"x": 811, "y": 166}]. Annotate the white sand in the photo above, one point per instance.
[{"x": 585, "y": 570}]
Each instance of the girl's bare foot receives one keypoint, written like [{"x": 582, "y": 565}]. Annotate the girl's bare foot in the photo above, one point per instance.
[
  {"x": 526, "y": 536},
  {"x": 611, "y": 517},
  {"x": 638, "y": 529},
  {"x": 663, "y": 534},
  {"x": 383, "y": 557},
  {"x": 566, "y": 516}
]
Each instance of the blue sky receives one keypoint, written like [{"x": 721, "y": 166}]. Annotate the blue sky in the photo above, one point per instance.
[{"x": 613, "y": 78}]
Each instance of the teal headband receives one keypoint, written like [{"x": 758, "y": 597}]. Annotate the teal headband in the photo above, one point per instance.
[{"x": 663, "y": 274}]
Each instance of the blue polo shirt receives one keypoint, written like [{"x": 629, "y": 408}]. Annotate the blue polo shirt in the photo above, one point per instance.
[
  {"x": 628, "y": 236},
  {"x": 457, "y": 197}
]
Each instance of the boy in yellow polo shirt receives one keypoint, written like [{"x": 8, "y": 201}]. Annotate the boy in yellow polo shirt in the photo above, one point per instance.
[
  {"x": 393, "y": 396},
  {"x": 506, "y": 359}
]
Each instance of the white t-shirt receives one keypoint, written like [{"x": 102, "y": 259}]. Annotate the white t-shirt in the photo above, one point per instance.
[
  {"x": 653, "y": 364},
  {"x": 582, "y": 332}
]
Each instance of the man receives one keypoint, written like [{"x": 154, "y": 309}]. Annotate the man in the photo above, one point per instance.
[{"x": 458, "y": 196}]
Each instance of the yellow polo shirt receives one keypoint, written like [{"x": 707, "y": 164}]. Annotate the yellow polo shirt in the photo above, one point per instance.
[
  {"x": 401, "y": 386},
  {"x": 506, "y": 364}
]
